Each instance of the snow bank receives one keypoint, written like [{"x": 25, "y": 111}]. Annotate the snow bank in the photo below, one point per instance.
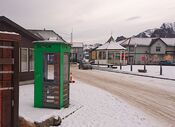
[{"x": 152, "y": 70}]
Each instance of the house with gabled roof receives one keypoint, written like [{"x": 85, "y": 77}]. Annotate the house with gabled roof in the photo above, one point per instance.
[
  {"x": 149, "y": 50},
  {"x": 26, "y": 55},
  {"x": 26, "y": 47}
]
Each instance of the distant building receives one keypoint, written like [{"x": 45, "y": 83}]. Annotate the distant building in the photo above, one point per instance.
[
  {"x": 76, "y": 52},
  {"x": 149, "y": 50},
  {"x": 90, "y": 52},
  {"x": 93, "y": 52},
  {"x": 111, "y": 53}
]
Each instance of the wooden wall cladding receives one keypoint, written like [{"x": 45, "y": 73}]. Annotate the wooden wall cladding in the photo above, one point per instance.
[
  {"x": 9, "y": 80},
  {"x": 66, "y": 81}
]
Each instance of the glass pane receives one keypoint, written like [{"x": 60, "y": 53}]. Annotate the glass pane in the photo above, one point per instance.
[
  {"x": 24, "y": 59},
  {"x": 31, "y": 57},
  {"x": 50, "y": 71},
  {"x": 49, "y": 66}
]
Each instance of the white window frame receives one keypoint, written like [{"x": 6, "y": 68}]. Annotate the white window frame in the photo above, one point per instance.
[
  {"x": 33, "y": 59},
  {"x": 19, "y": 59},
  {"x": 158, "y": 47},
  {"x": 27, "y": 60}
]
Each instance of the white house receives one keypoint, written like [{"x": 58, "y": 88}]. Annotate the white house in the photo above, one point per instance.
[
  {"x": 149, "y": 50},
  {"x": 76, "y": 51},
  {"x": 111, "y": 52}
]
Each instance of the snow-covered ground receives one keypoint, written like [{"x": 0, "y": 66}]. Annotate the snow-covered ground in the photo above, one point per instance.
[
  {"x": 96, "y": 108},
  {"x": 152, "y": 70}
]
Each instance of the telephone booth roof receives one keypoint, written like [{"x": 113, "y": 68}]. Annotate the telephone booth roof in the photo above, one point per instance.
[{"x": 52, "y": 41}]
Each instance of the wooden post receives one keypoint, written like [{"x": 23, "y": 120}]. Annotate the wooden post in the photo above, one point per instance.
[
  {"x": 131, "y": 67},
  {"x": 9, "y": 79},
  {"x": 145, "y": 63},
  {"x": 120, "y": 66},
  {"x": 144, "y": 66},
  {"x": 124, "y": 59},
  {"x": 160, "y": 69},
  {"x": 107, "y": 56}
]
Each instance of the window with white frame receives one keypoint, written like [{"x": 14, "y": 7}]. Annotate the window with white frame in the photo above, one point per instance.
[
  {"x": 19, "y": 60},
  {"x": 158, "y": 48},
  {"x": 24, "y": 59},
  {"x": 31, "y": 59}
]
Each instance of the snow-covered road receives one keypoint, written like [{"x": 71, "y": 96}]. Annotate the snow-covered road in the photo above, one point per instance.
[{"x": 154, "y": 96}]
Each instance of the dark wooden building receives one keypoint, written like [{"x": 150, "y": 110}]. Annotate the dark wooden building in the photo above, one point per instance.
[
  {"x": 26, "y": 59},
  {"x": 9, "y": 79}
]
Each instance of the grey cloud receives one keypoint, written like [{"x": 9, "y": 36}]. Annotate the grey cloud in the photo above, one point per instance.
[
  {"x": 133, "y": 18},
  {"x": 90, "y": 19}
]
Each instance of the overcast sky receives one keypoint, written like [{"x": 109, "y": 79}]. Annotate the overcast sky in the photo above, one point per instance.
[{"x": 91, "y": 20}]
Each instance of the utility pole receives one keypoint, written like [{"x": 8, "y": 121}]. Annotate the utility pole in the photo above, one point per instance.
[{"x": 71, "y": 41}]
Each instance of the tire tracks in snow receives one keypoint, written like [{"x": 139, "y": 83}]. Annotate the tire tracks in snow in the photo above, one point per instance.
[{"x": 157, "y": 102}]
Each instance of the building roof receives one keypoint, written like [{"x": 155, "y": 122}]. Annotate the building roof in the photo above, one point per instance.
[
  {"x": 51, "y": 41},
  {"x": 146, "y": 41},
  {"x": 110, "y": 39},
  {"x": 137, "y": 41},
  {"x": 20, "y": 30},
  {"x": 120, "y": 42},
  {"x": 111, "y": 45},
  {"x": 77, "y": 44},
  {"x": 104, "y": 46},
  {"x": 47, "y": 35},
  {"x": 169, "y": 41}
]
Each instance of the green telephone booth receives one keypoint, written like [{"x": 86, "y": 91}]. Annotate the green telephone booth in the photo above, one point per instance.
[{"x": 51, "y": 76}]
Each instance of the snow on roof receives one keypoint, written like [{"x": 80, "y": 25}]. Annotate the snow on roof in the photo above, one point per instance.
[
  {"x": 115, "y": 45},
  {"x": 47, "y": 35},
  {"x": 110, "y": 46},
  {"x": 104, "y": 46},
  {"x": 51, "y": 41},
  {"x": 146, "y": 41},
  {"x": 139, "y": 41},
  {"x": 5, "y": 32},
  {"x": 89, "y": 47},
  {"x": 169, "y": 41},
  {"x": 77, "y": 44}
]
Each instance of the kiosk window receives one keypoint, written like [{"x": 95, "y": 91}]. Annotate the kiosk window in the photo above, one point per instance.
[{"x": 49, "y": 66}]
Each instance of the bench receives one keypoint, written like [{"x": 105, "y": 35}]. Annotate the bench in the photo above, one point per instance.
[
  {"x": 110, "y": 65},
  {"x": 114, "y": 67},
  {"x": 142, "y": 70}
]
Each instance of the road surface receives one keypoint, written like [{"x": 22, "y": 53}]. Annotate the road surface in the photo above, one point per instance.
[{"x": 158, "y": 102}]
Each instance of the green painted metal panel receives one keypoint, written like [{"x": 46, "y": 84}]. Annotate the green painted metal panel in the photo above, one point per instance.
[
  {"x": 38, "y": 75},
  {"x": 61, "y": 78},
  {"x": 39, "y": 49}
]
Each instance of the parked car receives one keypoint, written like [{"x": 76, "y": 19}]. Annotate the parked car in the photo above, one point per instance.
[
  {"x": 84, "y": 65},
  {"x": 166, "y": 62}
]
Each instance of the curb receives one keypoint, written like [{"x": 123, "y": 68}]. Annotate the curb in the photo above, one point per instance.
[{"x": 122, "y": 72}]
